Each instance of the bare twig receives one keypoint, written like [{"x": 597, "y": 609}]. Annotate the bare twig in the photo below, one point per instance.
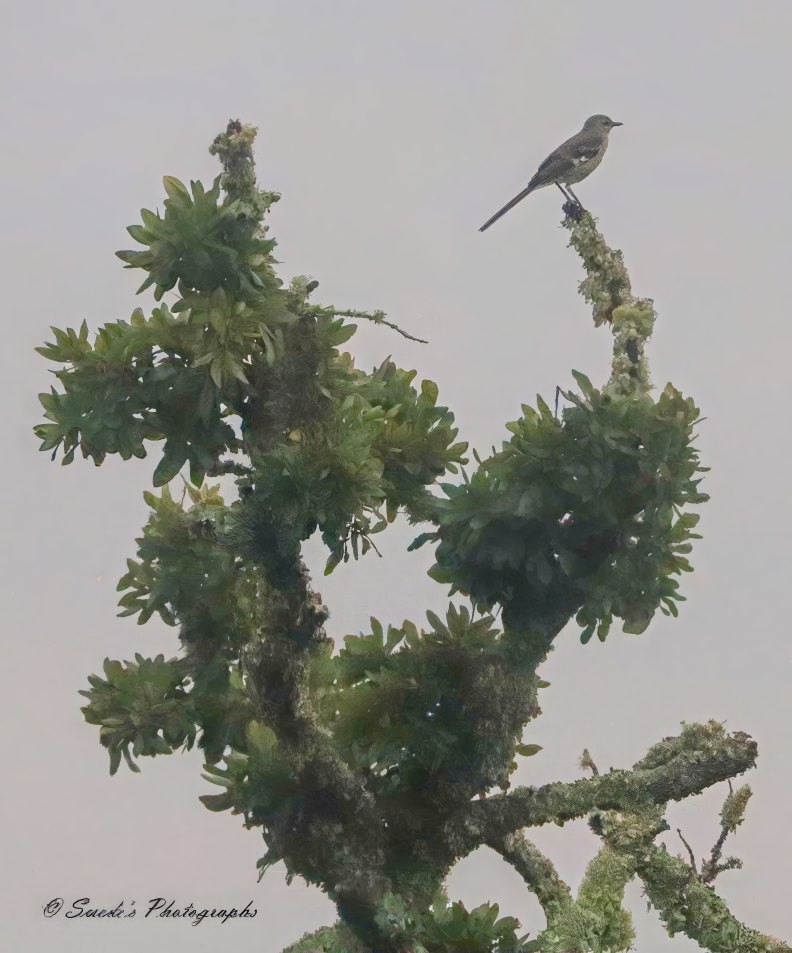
[
  {"x": 378, "y": 317},
  {"x": 690, "y": 852}
]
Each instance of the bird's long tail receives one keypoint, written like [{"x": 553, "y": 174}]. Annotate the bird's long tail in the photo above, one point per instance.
[{"x": 508, "y": 206}]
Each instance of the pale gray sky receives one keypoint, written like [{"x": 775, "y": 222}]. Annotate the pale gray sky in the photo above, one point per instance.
[{"x": 393, "y": 130}]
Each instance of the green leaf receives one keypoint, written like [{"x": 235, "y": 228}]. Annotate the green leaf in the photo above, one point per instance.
[
  {"x": 129, "y": 256},
  {"x": 222, "y": 780},
  {"x": 50, "y": 434},
  {"x": 332, "y": 561},
  {"x": 197, "y": 473},
  {"x": 217, "y": 802},
  {"x": 584, "y": 383},
  {"x": 440, "y": 574},
  {"x": 436, "y": 622},
  {"x": 586, "y": 634},
  {"x": 175, "y": 188},
  {"x": 429, "y": 391},
  {"x": 150, "y": 220},
  {"x": 216, "y": 372},
  {"x": 140, "y": 234},
  {"x": 344, "y": 333},
  {"x": 394, "y": 637},
  {"x": 528, "y": 751},
  {"x": 636, "y": 626},
  {"x": 420, "y": 540},
  {"x": 172, "y": 461},
  {"x": 115, "y": 760}
]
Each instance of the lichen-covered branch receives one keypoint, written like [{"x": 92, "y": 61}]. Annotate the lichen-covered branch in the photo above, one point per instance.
[
  {"x": 537, "y": 871},
  {"x": 377, "y": 317},
  {"x": 234, "y": 149},
  {"x": 685, "y": 903},
  {"x": 702, "y": 755},
  {"x": 596, "y": 919},
  {"x": 607, "y": 288},
  {"x": 732, "y": 815},
  {"x": 334, "y": 837}
]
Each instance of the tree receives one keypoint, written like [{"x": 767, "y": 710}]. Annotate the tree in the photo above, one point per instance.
[{"x": 367, "y": 770}]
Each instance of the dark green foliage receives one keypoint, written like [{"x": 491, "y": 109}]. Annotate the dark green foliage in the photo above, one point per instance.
[
  {"x": 185, "y": 574},
  {"x": 375, "y": 449},
  {"x": 587, "y": 508},
  {"x": 416, "y": 444},
  {"x": 430, "y": 710}
]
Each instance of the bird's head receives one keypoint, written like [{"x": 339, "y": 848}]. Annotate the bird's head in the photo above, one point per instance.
[{"x": 600, "y": 123}]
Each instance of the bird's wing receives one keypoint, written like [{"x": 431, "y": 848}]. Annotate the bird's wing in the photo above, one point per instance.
[
  {"x": 554, "y": 167},
  {"x": 565, "y": 158}
]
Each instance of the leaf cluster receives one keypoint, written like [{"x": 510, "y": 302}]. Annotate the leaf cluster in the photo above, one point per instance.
[
  {"x": 188, "y": 576},
  {"x": 138, "y": 382},
  {"x": 257, "y": 782},
  {"x": 179, "y": 374},
  {"x": 428, "y": 711},
  {"x": 143, "y": 708},
  {"x": 449, "y": 927},
  {"x": 202, "y": 242},
  {"x": 379, "y": 445},
  {"x": 585, "y": 509}
]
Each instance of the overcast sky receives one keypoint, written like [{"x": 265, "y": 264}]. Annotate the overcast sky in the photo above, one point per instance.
[{"x": 393, "y": 131}]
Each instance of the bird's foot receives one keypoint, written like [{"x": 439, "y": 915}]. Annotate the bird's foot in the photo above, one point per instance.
[{"x": 573, "y": 210}]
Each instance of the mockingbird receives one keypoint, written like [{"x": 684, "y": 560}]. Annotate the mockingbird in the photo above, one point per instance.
[{"x": 569, "y": 164}]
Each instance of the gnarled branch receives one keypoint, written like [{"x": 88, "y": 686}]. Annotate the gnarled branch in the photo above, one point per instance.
[{"x": 702, "y": 755}]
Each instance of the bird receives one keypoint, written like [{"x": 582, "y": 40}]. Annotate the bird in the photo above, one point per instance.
[{"x": 569, "y": 164}]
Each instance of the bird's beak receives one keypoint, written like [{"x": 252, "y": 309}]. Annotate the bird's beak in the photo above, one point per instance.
[{"x": 616, "y": 123}]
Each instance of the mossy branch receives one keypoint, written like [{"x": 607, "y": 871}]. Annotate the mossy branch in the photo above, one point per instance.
[
  {"x": 234, "y": 149},
  {"x": 685, "y": 903},
  {"x": 607, "y": 288},
  {"x": 596, "y": 919},
  {"x": 702, "y": 755},
  {"x": 537, "y": 871},
  {"x": 320, "y": 842}
]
